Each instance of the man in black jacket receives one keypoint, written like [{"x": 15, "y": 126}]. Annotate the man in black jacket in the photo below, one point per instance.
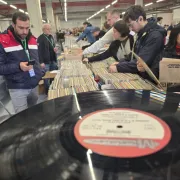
[
  {"x": 149, "y": 43},
  {"x": 47, "y": 51}
]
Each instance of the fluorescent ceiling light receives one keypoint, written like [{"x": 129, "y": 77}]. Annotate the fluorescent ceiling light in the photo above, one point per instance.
[
  {"x": 65, "y": 10},
  {"x": 123, "y": 12},
  {"x": 21, "y": 10},
  {"x": 101, "y": 10},
  {"x": 148, "y": 4},
  {"x": 43, "y": 21},
  {"x": 3, "y": 2},
  {"x": 14, "y": 7},
  {"x": 26, "y": 13},
  {"x": 108, "y": 6},
  {"x": 159, "y": 1},
  {"x": 114, "y": 2}
]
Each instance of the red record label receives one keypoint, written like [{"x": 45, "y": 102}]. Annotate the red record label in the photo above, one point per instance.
[{"x": 124, "y": 133}]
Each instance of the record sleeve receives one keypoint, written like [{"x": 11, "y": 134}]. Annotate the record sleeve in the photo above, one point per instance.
[{"x": 102, "y": 135}]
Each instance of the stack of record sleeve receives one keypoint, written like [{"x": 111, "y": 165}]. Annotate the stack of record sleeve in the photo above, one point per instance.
[
  {"x": 73, "y": 74},
  {"x": 71, "y": 64},
  {"x": 69, "y": 91},
  {"x": 99, "y": 64},
  {"x": 134, "y": 84},
  {"x": 102, "y": 64},
  {"x": 110, "y": 61},
  {"x": 109, "y": 78},
  {"x": 100, "y": 71},
  {"x": 63, "y": 82}
]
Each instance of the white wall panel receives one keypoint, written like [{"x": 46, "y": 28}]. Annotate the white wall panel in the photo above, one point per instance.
[
  {"x": 176, "y": 14},
  {"x": 4, "y": 25}
]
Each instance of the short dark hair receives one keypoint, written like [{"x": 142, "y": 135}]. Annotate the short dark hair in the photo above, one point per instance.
[
  {"x": 134, "y": 12},
  {"x": 87, "y": 23},
  {"x": 122, "y": 28},
  {"x": 21, "y": 16},
  {"x": 159, "y": 19}
]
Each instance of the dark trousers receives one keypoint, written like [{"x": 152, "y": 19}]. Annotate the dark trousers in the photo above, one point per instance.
[{"x": 49, "y": 67}]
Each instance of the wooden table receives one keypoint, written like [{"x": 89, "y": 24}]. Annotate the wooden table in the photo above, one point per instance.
[{"x": 49, "y": 75}]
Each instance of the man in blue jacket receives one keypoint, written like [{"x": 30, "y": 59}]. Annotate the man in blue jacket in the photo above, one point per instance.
[
  {"x": 87, "y": 33},
  {"x": 149, "y": 43},
  {"x": 19, "y": 62}
]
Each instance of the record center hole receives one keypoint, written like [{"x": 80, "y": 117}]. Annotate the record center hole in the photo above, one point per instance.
[{"x": 119, "y": 126}]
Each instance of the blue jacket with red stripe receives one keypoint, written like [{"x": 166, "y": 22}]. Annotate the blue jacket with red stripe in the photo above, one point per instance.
[{"x": 12, "y": 53}]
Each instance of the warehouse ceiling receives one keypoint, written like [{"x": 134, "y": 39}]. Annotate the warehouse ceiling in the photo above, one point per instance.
[{"x": 83, "y": 9}]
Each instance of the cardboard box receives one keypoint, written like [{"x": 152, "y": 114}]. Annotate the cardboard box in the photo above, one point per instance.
[
  {"x": 169, "y": 70},
  {"x": 41, "y": 88}
]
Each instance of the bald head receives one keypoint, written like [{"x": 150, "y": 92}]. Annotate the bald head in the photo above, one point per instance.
[{"x": 46, "y": 29}]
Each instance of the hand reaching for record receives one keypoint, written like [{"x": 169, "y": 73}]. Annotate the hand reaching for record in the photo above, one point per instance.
[
  {"x": 140, "y": 67},
  {"x": 85, "y": 60},
  {"x": 113, "y": 69}
]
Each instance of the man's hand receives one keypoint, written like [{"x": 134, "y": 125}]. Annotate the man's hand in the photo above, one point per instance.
[
  {"x": 140, "y": 67},
  {"x": 43, "y": 65},
  {"x": 85, "y": 60},
  {"x": 113, "y": 69},
  {"x": 24, "y": 66}
]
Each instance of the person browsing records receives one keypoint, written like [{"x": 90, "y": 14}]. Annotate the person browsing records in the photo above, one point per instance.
[
  {"x": 149, "y": 44},
  {"x": 87, "y": 33},
  {"x": 119, "y": 48},
  {"x": 112, "y": 17},
  {"x": 172, "y": 50}
]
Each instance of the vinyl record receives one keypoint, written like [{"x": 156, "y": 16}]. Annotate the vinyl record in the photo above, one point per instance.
[{"x": 104, "y": 135}]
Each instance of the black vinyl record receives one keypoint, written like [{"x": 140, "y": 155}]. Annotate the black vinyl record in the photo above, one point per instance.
[{"x": 45, "y": 141}]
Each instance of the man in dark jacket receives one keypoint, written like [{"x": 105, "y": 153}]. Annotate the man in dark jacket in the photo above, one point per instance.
[
  {"x": 47, "y": 51},
  {"x": 149, "y": 44},
  {"x": 19, "y": 62}
]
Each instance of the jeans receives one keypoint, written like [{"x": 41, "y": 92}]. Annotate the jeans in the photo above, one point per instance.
[
  {"x": 23, "y": 98},
  {"x": 49, "y": 67}
]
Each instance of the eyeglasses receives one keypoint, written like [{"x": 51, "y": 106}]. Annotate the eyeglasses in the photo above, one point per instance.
[{"x": 132, "y": 23}]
